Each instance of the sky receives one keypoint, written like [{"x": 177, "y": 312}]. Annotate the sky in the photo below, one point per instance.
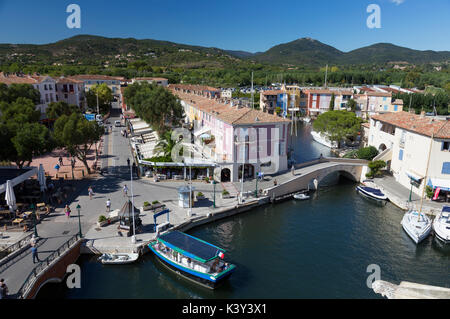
[{"x": 245, "y": 25}]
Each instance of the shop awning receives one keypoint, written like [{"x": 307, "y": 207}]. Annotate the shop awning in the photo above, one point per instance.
[
  {"x": 201, "y": 131},
  {"x": 414, "y": 176},
  {"x": 443, "y": 184}
]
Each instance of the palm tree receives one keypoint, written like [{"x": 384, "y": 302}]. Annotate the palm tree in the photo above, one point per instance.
[{"x": 165, "y": 144}]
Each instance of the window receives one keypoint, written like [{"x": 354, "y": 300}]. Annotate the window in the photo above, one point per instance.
[
  {"x": 445, "y": 146},
  {"x": 384, "y": 98},
  {"x": 385, "y": 107},
  {"x": 45, "y": 87},
  {"x": 446, "y": 168},
  {"x": 395, "y": 108},
  {"x": 400, "y": 155}
]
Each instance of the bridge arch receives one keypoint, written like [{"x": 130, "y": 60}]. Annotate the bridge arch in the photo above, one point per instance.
[{"x": 322, "y": 178}]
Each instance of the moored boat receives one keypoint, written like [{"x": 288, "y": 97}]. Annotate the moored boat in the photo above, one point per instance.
[
  {"x": 416, "y": 225},
  {"x": 192, "y": 258},
  {"x": 441, "y": 225},
  {"x": 371, "y": 191},
  {"x": 324, "y": 140},
  {"x": 301, "y": 196},
  {"x": 117, "y": 259}
]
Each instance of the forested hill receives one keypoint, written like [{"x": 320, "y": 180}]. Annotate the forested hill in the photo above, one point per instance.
[{"x": 93, "y": 50}]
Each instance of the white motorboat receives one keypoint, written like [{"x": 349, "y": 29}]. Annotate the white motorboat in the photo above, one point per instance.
[
  {"x": 441, "y": 225},
  {"x": 301, "y": 196},
  {"x": 416, "y": 225},
  {"x": 117, "y": 259},
  {"x": 370, "y": 190},
  {"x": 324, "y": 140}
]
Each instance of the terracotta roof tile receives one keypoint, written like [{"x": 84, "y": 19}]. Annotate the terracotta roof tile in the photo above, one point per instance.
[{"x": 416, "y": 123}]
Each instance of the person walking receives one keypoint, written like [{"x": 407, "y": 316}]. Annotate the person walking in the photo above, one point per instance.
[
  {"x": 67, "y": 211},
  {"x": 57, "y": 168},
  {"x": 91, "y": 192},
  {"x": 128, "y": 162},
  {"x": 33, "y": 241},
  {"x": 125, "y": 191},
  {"x": 60, "y": 161},
  {"x": 108, "y": 205},
  {"x": 34, "y": 253},
  {"x": 3, "y": 289}
]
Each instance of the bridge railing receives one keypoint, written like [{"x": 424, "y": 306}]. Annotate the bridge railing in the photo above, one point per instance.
[
  {"x": 29, "y": 281},
  {"x": 14, "y": 251}
]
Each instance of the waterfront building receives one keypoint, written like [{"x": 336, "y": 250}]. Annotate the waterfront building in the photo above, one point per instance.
[
  {"x": 318, "y": 101},
  {"x": 89, "y": 80},
  {"x": 372, "y": 102},
  {"x": 71, "y": 91},
  {"x": 230, "y": 134},
  {"x": 46, "y": 86},
  {"x": 159, "y": 81},
  {"x": 270, "y": 100},
  {"x": 405, "y": 139}
]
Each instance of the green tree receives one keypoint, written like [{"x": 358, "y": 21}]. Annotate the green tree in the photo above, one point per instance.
[
  {"x": 165, "y": 145},
  {"x": 105, "y": 97},
  {"x": 77, "y": 135},
  {"x": 57, "y": 109},
  {"x": 352, "y": 105},
  {"x": 367, "y": 153},
  {"x": 155, "y": 105},
  {"x": 338, "y": 125},
  {"x": 331, "y": 108},
  {"x": 375, "y": 167}
]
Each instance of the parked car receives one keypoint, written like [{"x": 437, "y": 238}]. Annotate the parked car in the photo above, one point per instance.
[{"x": 117, "y": 123}]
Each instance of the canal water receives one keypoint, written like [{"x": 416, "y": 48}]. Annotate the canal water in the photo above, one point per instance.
[{"x": 320, "y": 248}]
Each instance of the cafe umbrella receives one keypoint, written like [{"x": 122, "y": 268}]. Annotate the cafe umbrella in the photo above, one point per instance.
[
  {"x": 10, "y": 197},
  {"x": 41, "y": 178}
]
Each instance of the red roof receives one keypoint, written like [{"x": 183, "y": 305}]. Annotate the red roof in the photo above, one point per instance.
[{"x": 417, "y": 123}]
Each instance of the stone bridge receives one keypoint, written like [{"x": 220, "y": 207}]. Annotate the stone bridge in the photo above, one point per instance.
[{"x": 310, "y": 174}]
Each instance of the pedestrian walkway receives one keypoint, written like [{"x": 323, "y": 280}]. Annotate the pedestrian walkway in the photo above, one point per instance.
[{"x": 399, "y": 195}]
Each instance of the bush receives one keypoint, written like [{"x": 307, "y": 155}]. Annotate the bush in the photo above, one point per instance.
[
  {"x": 351, "y": 154},
  {"x": 200, "y": 194},
  {"x": 430, "y": 191},
  {"x": 146, "y": 204},
  {"x": 101, "y": 218},
  {"x": 225, "y": 192},
  {"x": 155, "y": 202},
  {"x": 367, "y": 153},
  {"x": 207, "y": 179},
  {"x": 375, "y": 168}
]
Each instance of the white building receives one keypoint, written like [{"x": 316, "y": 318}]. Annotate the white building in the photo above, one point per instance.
[
  {"x": 410, "y": 143},
  {"x": 159, "y": 81}
]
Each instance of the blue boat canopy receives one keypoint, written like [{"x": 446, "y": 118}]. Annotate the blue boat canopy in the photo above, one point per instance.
[
  {"x": 373, "y": 190},
  {"x": 190, "y": 246},
  {"x": 446, "y": 209}
]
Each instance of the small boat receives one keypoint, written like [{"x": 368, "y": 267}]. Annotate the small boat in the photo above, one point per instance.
[
  {"x": 116, "y": 259},
  {"x": 417, "y": 226},
  {"x": 301, "y": 196},
  {"x": 371, "y": 191},
  {"x": 192, "y": 258},
  {"x": 324, "y": 140},
  {"x": 441, "y": 225}
]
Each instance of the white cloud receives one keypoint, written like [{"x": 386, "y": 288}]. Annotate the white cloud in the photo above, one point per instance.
[{"x": 397, "y": 2}]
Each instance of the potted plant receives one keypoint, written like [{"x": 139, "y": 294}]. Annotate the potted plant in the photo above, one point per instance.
[
  {"x": 146, "y": 206},
  {"x": 207, "y": 179},
  {"x": 154, "y": 204},
  {"x": 225, "y": 194},
  {"x": 200, "y": 196},
  {"x": 102, "y": 221}
]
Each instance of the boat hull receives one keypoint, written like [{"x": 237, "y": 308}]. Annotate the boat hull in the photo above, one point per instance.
[
  {"x": 321, "y": 140},
  {"x": 191, "y": 275},
  {"x": 411, "y": 228},
  {"x": 132, "y": 259},
  {"x": 379, "y": 199},
  {"x": 441, "y": 231}
]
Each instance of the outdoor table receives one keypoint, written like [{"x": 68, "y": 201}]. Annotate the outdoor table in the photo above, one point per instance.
[
  {"x": 28, "y": 214},
  {"x": 17, "y": 221},
  {"x": 41, "y": 206}
]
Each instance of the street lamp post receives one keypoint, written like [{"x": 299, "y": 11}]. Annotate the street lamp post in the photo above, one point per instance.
[
  {"x": 79, "y": 220},
  {"x": 256, "y": 190},
  {"x": 35, "y": 219},
  {"x": 214, "y": 196}
]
